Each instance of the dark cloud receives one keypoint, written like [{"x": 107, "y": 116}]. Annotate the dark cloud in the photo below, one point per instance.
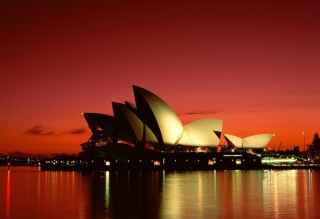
[
  {"x": 75, "y": 131},
  {"x": 200, "y": 112},
  {"x": 38, "y": 130}
]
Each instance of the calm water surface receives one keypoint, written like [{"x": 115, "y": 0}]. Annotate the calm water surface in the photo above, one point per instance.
[{"x": 27, "y": 192}]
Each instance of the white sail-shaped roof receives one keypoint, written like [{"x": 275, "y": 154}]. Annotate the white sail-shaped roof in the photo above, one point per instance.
[
  {"x": 102, "y": 121},
  {"x": 158, "y": 116},
  {"x": 201, "y": 133},
  {"x": 133, "y": 124},
  {"x": 258, "y": 141},
  {"x": 235, "y": 140},
  {"x": 151, "y": 121}
]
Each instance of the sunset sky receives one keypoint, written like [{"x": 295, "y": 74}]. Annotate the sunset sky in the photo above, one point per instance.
[{"x": 253, "y": 64}]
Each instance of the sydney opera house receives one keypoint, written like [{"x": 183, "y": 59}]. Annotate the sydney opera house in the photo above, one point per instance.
[{"x": 151, "y": 130}]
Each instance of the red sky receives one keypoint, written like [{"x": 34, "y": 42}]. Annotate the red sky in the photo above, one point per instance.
[{"x": 253, "y": 64}]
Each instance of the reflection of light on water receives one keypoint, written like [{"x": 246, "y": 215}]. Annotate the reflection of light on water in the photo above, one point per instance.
[
  {"x": 38, "y": 195},
  {"x": 73, "y": 178},
  {"x": 308, "y": 192},
  {"x": 276, "y": 198},
  {"x": 107, "y": 189},
  {"x": 292, "y": 186},
  {"x": 280, "y": 194},
  {"x": 189, "y": 195},
  {"x": 8, "y": 196},
  {"x": 200, "y": 201},
  {"x": 238, "y": 175},
  {"x": 172, "y": 196},
  {"x": 82, "y": 197},
  {"x": 163, "y": 179}
]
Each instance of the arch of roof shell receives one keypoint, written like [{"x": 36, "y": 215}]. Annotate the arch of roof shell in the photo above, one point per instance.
[
  {"x": 102, "y": 121},
  {"x": 129, "y": 122},
  {"x": 234, "y": 140},
  {"x": 200, "y": 133},
  {"x": 158, "y": 116},
  {"x": 130, "y": 105},
  {"x": 94, "y": 127},
  {"x": 257, "y": 141}
]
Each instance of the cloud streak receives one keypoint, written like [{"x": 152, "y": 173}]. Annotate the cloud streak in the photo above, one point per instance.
[
  {"x": 75, "y": 131},
  {"x": 38, "y": 130},
  {"x": 199, "y": 113}
]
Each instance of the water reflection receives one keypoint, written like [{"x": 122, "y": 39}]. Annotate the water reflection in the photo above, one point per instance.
[
  {"x": 291, "y": 189},
  {"x": 8, "y": 196},
  {"x": 126, "y": 194},
  {"x": 210, "y": 194},
  {"x": 31, "y": 193}
]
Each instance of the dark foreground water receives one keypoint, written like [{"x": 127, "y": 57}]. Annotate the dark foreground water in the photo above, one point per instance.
[{"x": 27, "y": 192}]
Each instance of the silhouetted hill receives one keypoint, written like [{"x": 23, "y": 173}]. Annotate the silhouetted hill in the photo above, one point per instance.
[
  {"x": 18, "y": 154},
  {"x": 62, "y": 154},
  {"x": 24, "y": 155}
]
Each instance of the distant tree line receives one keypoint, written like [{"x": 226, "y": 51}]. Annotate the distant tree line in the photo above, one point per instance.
[{"x": 314, "y": 148}]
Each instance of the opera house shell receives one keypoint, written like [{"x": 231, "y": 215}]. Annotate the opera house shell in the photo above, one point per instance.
[
  {"x": 151, "y": 124},
  {"x": 256, "y": 143}
]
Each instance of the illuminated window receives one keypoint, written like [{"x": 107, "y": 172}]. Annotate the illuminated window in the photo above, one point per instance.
[
  {"x": 156, "y": 163},
  {"x": 238, "y": 161},
  {"x": 210, "y": 162},
  {"x": 107, "y": 163}
]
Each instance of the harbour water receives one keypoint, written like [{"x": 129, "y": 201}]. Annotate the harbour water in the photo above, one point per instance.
[{"x": 28, "y": 192}]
